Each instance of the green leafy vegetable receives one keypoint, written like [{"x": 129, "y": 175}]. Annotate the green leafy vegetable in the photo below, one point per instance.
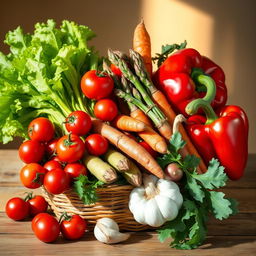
[
  {"x": 41, "y": 75},
  {"x": 86, "y": 189},
  {"x": 189, "y": 230},
  {"x": 167, "y": 50}
]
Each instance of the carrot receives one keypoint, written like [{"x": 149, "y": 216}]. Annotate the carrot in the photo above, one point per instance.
[
  {"x": 129, "y": 124},
  {"x": 128, "y": 146},
  {"x": 160, "y": 99},
  {"x": 155, "y": 141},
  {"x": 142, "y": 45},
  {"x": 140, "y": 115}
]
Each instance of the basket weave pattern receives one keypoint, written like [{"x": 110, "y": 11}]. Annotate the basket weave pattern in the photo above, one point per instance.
[{"x": 113, "y": 203}]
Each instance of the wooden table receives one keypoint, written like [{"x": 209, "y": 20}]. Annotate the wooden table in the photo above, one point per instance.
[{"x": 235, "y": 236}]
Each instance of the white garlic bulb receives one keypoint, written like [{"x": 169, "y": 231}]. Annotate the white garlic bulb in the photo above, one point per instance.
[{"x": 106, "y": 231}]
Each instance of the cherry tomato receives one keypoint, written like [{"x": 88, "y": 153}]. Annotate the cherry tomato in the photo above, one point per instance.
[
  {"x": 151, "y": 151},
  {"x": 50, "y": 147},
  {"x": 105, "y": 110},
  {"x": 52, "y": 164},
  {"x": 75, "y": 170},
  {"x": 32, "y": 175},
  {"x": 79, "y": 123},
  {"x": 46, "y": 228},
  {"x": 116, "y": 70},
  {"x": 96, "y": 85},
  {"x": 56, "y": 181},
  {"x": 70, "y": 148},
  {"x": 96, "y": 144},
  {"x": 36, "y": 218},
  {"x": 37, "y": 205},
  {"x": 31, "y": 151},
  {"x": 17, "y": 208},
  {"x": 41, "y": 129},
  {"x": 73, "y": 228}
]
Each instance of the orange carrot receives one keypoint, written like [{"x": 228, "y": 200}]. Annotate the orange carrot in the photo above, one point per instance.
[
  {"x": 128, "y": 146},
  {"x": 142, "y": 45},
  {"x": 160, "y": 99},
  {"x": 154, "y": 140},
  {"x": 129, "y": 124},
  {"x": 140, "y": 115}
]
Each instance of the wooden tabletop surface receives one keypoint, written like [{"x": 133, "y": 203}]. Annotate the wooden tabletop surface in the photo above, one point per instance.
[{"x": 235, "y": 236}]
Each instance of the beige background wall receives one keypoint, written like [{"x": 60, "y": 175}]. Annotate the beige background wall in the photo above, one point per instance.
[{"x": 224, "y": 30}]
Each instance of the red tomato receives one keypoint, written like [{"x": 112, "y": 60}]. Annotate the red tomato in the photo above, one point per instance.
[
  {"x": 116, "y": 70},
  {"x": 31, "y": 151},
  {"x": 70, "y": 148},
  {"x": 79, "y": 123},
  {"x": 36, "y": 218},
  {"x": 46, "y": 228},
  {"x": 32, "y": 175},
  {"x": 52, "y": 164},
  {"x": 96, "y": 85},
  {"x": 75, "y": 170},
  {"x": 105, "y": 110},
  {"x": 74, "y": 228},
  {"x": 56, "y": 181},
  {"x": 151, "y": 151},
  {"x": 17, "y": 209},
  {"x": 37, "y": 204},
  {"x": 41, "y": 129},
  {"x": 51, "y": 147},
  {"x": 96, "y": 144}
]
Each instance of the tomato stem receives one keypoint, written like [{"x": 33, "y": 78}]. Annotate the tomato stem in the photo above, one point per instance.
[
  {"x": 65, "y": 216},
  {"x": 28, "y": 196}
]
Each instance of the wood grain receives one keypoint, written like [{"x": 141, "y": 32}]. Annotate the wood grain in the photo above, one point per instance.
[{"x": 235, "y": 236}]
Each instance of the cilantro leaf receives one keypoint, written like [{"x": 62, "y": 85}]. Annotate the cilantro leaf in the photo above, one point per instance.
[
  {"x": 215, "y": 177},
  {"x": 190, "y": 162},
  {"x": 86, "y": 189},
  {"x": 221, "y": 207},
  {"x": 176, "y": 142},
  {"x": 194, "y": 189}
]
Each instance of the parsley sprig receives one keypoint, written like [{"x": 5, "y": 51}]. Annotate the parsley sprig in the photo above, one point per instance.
[
  {"x": 201, "y": 199},
  {"x": 86, "y": 189}
]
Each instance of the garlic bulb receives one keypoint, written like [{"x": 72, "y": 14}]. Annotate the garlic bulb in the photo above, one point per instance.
[
  {"x": 155, "y": 203},
  {"x": 106, "y": 231}
]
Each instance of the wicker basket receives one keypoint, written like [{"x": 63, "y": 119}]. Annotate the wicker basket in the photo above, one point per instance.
[{"x": 113, "y": 203}]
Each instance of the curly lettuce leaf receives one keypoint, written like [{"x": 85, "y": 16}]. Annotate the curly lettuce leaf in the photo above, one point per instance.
[{"x": 41, "y": 75}]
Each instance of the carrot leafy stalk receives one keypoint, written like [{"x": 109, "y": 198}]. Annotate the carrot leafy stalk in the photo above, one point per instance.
[{"x": 166, "y": 51}]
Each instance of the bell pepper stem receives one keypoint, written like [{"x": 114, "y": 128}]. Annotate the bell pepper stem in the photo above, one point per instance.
[{"x": 205, "y": 102}]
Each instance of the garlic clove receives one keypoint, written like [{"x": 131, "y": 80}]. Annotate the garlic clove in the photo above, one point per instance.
[
  {"x": 139, "y": 211},
  {"x": 153, "y": 216},
  {"x": 135, "y": 197},
  {"x": 172, "y": 194},
  {"x": 167, "y": 206},
  {"x": 109, "y": 223},
  {"x": 108, "y": 235},
  {"x": 167, "y": 184}
]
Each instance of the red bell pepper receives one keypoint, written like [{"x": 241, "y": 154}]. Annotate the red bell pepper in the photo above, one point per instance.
[
  {"x": 223, "y": 136},
  {"x": 176, "y": 78}
]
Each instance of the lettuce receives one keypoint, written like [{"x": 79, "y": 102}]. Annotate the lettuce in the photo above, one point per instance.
[{"x": 41, "y": 75}]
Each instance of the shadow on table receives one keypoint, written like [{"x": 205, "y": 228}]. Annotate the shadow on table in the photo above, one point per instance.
[
  {"x": 214, "y": 242},
  {"x": 134, "y": 238}
]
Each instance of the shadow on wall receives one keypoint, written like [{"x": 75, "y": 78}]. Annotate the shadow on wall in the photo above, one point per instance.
[
  {"x": 233, "y": 47},
  {"x": 113, "y": 21}
]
